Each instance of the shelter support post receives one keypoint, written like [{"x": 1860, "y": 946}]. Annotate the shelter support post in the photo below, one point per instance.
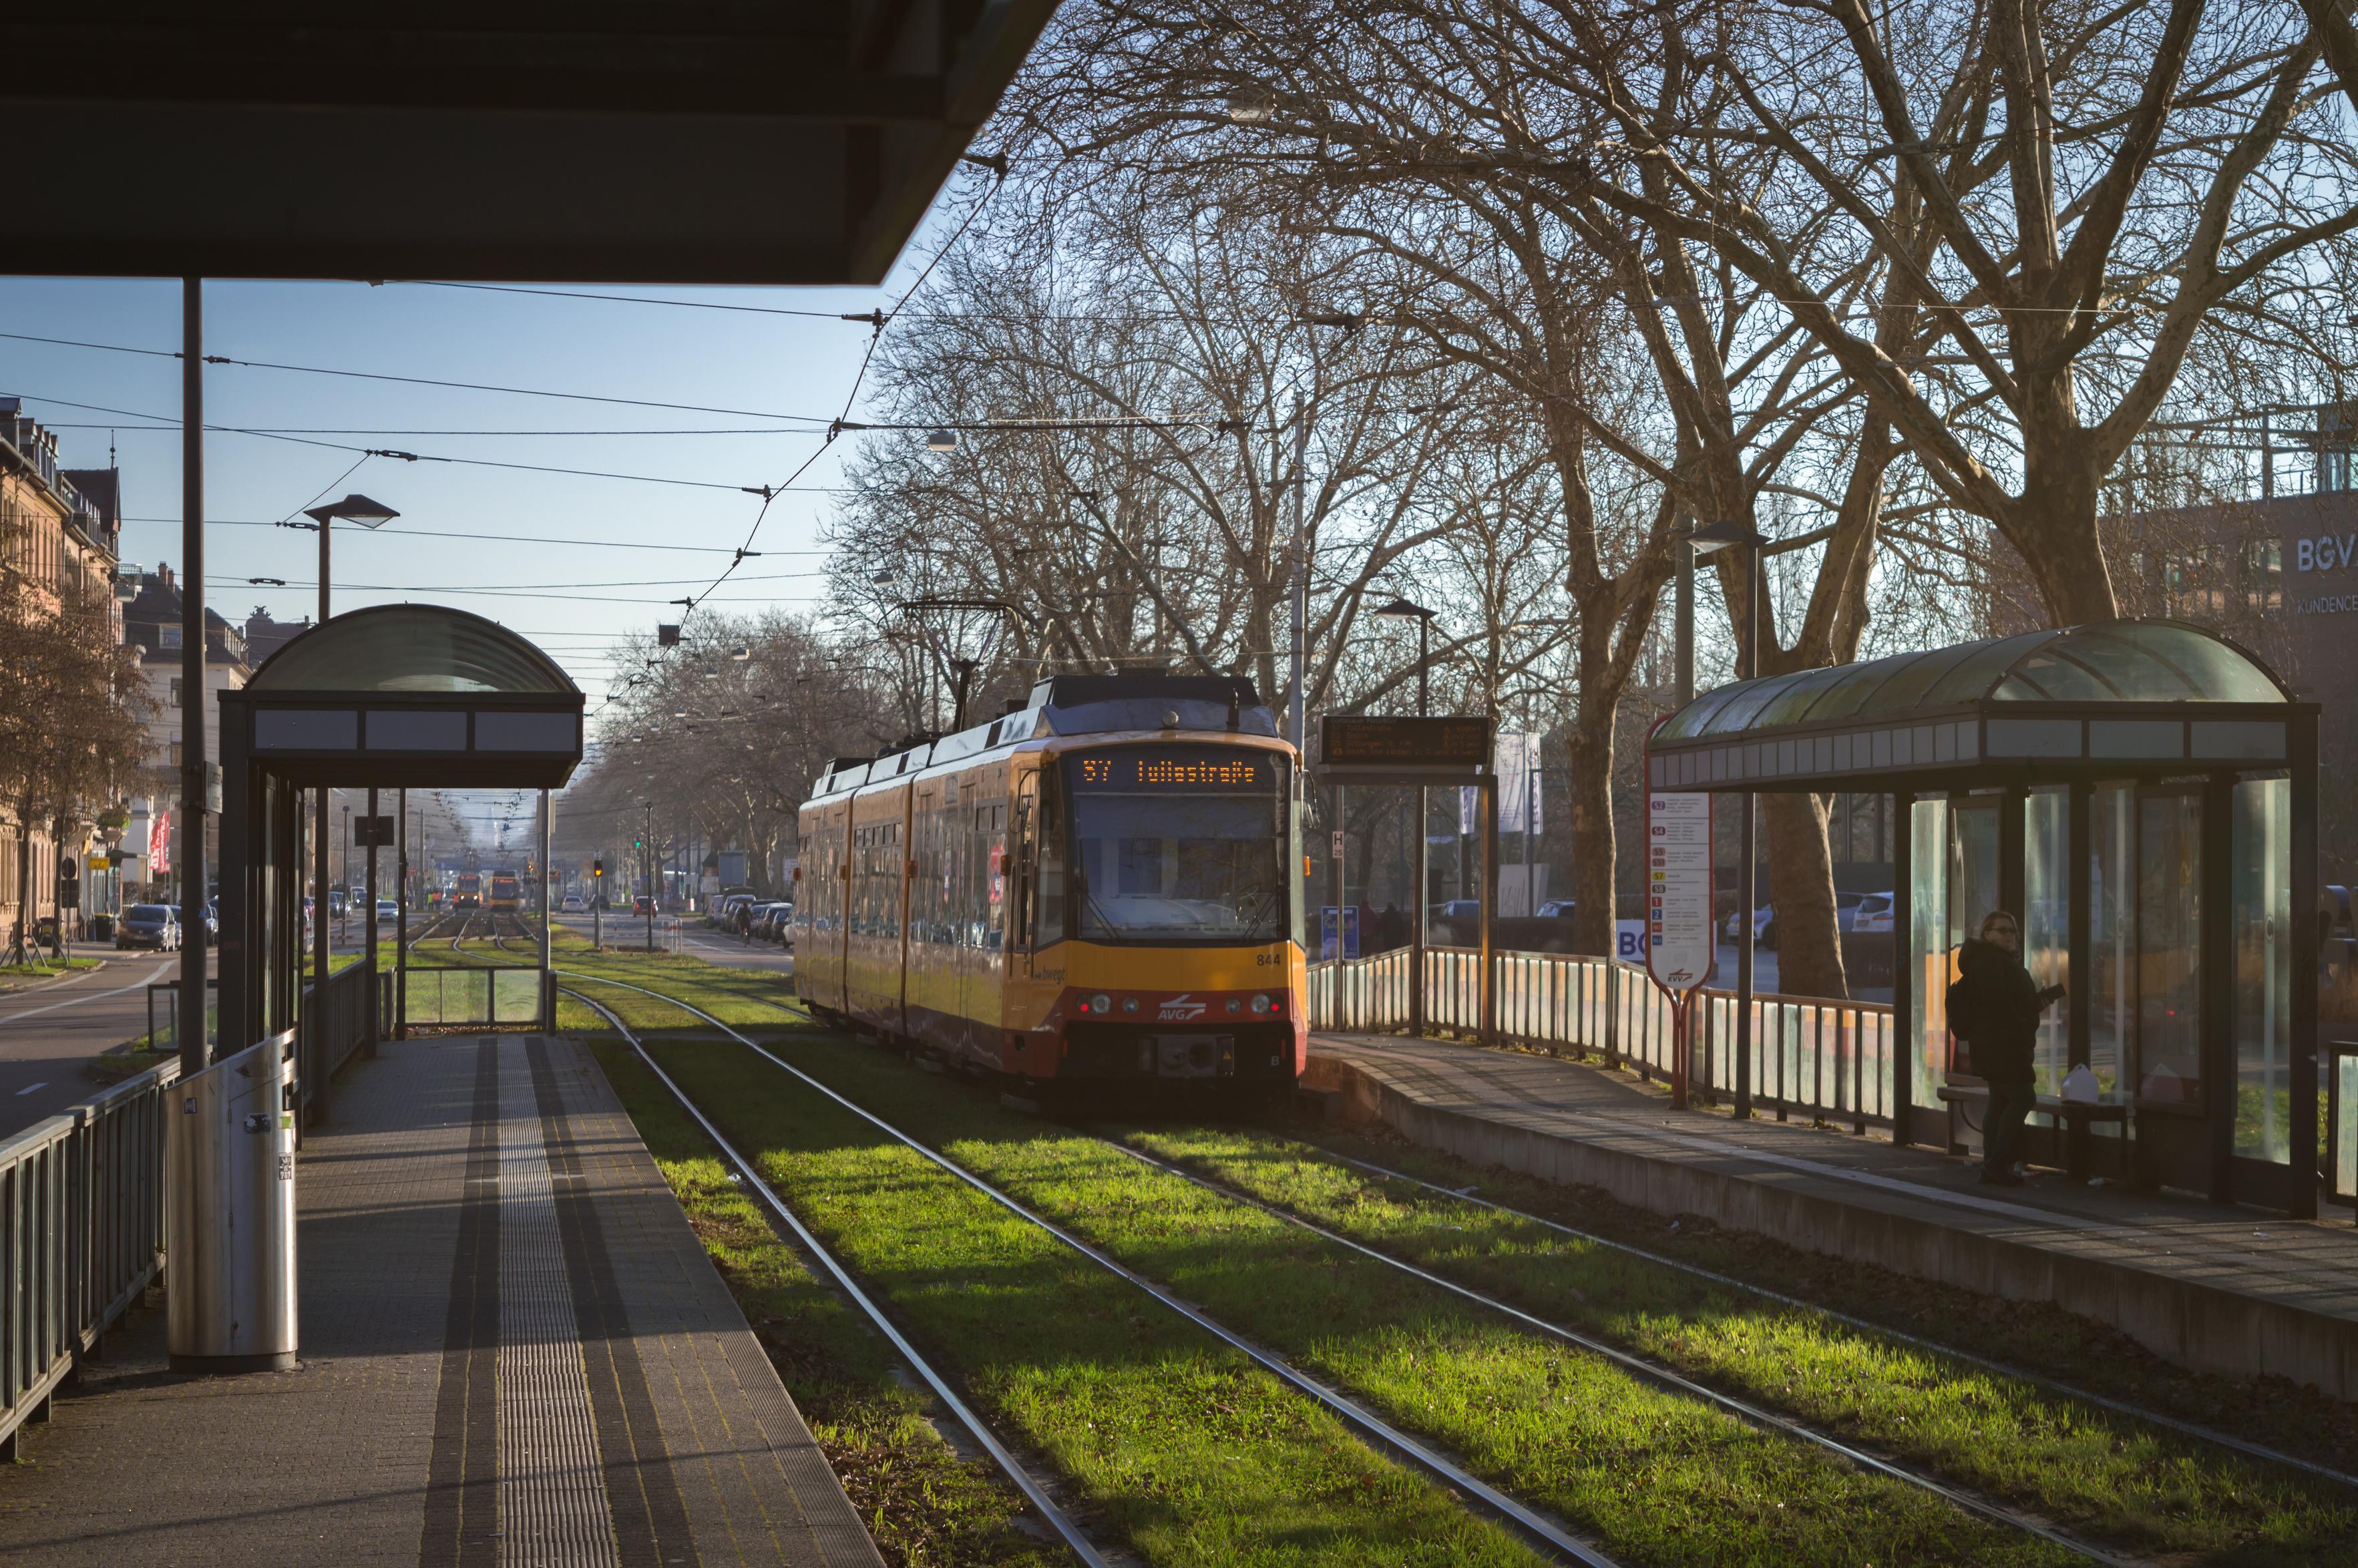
[
  {"x": 1746, "y": 899},
  {"x": 368, "y": 1006},
  {"x": 2012, "y": 847},
  {"x": 1904, "y": 1043},
  {"x": 1489, "y": 907},
  {"x": 540, "y": 891},
  {"x": 400, "y": 920},
  {"x": 1334, "y": 868},
  {"x": 1417, "y": 923},
  {"x": 190, "y": 847},
  {"x": 2301, "y": 754}
]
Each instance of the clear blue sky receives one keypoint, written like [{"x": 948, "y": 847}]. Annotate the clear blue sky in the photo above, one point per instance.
[{"x": 773, "y": 364}]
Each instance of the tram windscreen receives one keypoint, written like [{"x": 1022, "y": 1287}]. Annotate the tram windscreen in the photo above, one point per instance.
[{"x": 1179, "y": 844}]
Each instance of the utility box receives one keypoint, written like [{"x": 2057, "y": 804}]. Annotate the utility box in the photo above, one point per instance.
[{"x": 229, "y": 1230}]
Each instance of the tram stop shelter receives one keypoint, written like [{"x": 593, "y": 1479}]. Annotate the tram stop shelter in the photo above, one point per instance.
[
  {"x": 2142, "y": 793},
  {"x": 392, "y": 697}
]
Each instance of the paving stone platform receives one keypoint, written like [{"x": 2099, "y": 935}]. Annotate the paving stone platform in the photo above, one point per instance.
[
  {"x": 515, "y": 1354},
  {"x": 2210, "y": 1286}
]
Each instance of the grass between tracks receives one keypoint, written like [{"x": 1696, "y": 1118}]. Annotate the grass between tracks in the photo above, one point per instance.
[
  {"x": 2110, "y": 1477},
  {"x": 2115, "y": 1478},
  {"x": 1656, "y": 1477},
  {"x": 1176, "y": 1445}
]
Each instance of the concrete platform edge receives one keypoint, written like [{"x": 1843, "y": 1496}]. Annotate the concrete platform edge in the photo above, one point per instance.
[{"x": 2191, "y": 1325}]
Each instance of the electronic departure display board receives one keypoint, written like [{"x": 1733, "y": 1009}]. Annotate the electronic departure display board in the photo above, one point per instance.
[
  {"x": 1198, "y": 770},
  {"x": 1447, "y": 745}
]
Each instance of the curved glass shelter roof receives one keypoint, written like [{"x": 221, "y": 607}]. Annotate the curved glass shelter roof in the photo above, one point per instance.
[
  {"x": 2143, "y": 693},
  {"x": 412, "y": 648}
]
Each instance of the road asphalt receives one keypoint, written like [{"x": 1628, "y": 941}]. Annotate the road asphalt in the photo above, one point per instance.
[{"x": 48, "y": 1031}]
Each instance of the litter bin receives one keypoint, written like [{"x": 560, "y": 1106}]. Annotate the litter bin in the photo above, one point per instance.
[
  {"x": 228, "y": 1233},
  {"x": 102, "y": 928}
]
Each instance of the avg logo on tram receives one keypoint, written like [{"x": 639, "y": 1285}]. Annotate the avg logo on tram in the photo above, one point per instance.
[{"x": 1095, "y": 890}]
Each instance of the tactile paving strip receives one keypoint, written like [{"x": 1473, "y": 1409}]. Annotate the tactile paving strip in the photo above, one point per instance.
[{"x": 554, "y": 1511}]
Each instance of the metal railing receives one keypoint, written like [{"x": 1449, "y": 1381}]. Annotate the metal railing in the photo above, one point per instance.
[
  {"x": 82, "y": 1235},
  {"x": 1829, "y": 1060},
  {"x": 338, "y": 1025}
]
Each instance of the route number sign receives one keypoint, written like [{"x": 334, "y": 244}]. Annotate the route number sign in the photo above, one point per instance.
[{"x": 1679, "y": 941}]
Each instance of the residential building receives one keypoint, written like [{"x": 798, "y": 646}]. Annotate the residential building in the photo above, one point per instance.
[
  {"x": 151, "y": 623},
  {"x": 265, "y": 637},
  {"x": 64, "y": 539}
]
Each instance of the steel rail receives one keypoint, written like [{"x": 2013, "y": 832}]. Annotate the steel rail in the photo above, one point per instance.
[
  {"x": 1387, "y": 1437},
  {"x": 1033, "y": 1491},
  {"x": 2244, "y": 1446},
  {"x": 1867, "y": 1325},
  {"x": 1651, "y": 1371}
]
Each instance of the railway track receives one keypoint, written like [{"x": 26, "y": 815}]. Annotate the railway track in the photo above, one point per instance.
[
  {"x": 1533, "y": 1526},
  {"x": 2193, "y": 1430}
]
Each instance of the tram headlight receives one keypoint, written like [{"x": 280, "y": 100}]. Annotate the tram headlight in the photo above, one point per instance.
[
  {"x": 1260, "y": 1003},
  {"x": 1098, "y": 1003}
]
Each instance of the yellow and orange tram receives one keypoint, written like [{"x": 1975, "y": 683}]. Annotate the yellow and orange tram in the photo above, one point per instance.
[{"x": 1104, "y": 885}]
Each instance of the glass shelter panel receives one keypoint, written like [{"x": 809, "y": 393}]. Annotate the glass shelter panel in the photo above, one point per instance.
[
  {"x": 1929, "y": 945},
  {"x": 2047, "y": 924},
  {"x": 2262, "y": 953},
  {"x": 2169, "y": 948}
]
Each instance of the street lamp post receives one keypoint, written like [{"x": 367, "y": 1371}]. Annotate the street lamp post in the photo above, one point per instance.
[
  {"x": 1401, "y": 610},
  {"x": 368, "y": 513},
  {"x": 1703, "y": 541}
]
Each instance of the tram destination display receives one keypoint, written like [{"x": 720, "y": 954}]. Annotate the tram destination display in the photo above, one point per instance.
[
  {"x": 1443, "y": 748},
  {"x": 1208, "y": 770}
]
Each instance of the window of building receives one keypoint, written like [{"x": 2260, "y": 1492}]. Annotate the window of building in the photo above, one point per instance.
[
  {"x": 176, "y": 753},
  {"x": 176, "y": 691},
  {"x": 168, "y": 636}
]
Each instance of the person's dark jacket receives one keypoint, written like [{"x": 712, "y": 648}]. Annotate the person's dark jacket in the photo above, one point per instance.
[{"x": 1994, "y": 1006}]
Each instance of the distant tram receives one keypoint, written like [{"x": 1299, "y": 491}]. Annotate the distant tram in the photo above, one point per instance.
[
  {"x": 504, "y": 893},
  {"x": 1101, "y": 888},
  {"x": 470, "y": 893}
]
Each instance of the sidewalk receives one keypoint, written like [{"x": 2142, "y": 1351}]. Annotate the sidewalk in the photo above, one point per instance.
[
  {"x": 2219, "y": 1289},
  {"x": 515, "y": 1352}
]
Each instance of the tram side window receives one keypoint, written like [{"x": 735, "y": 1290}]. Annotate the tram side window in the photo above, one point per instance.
[{"x": 892, "y": 882}]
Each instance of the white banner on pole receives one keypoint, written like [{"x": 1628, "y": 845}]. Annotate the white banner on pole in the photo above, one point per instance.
[
  {"x": 1680, "y": 946},
  {"x": 1517, "y": 763}
]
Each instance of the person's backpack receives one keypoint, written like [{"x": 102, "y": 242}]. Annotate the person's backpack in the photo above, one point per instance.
[{"x": 1960, "y": 1008}]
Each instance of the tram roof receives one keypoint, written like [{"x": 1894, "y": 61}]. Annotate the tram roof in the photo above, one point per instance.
[
  {"x": 2117, "y": 698},
  {"x": 1073, "y": 705}
]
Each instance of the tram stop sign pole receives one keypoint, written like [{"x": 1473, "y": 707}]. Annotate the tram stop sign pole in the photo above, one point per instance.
[{"x": 1680, "y": 948}]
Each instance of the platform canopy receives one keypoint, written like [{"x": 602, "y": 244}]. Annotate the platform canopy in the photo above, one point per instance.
[
  {"x": 2111, "y": 699},
  {"x": 696, "y": 141},
  {"x": 408, "y": 695}
]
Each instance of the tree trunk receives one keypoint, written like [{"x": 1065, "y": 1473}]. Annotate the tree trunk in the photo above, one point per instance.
[
  {"x": 1588, "y": 785},
  {"x": 1801, "y": 872},
  {"x": 2054, "y": 529}
]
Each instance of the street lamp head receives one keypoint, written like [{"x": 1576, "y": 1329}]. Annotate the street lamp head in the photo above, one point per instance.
[
  {"x": 1401, "y": 610},
  {"x": 941, "y": 440},
  {"x": 357, "y": 509},
  {"x": 1721, "y": 534}
]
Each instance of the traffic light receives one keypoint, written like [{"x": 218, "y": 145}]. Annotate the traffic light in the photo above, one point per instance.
[{"x": 598, "y": 867}]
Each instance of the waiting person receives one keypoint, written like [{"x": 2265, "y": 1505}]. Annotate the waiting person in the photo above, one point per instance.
[{"x": 1994, "y": 1006}]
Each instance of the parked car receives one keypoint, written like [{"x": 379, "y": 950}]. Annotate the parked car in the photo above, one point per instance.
[
  {"x": 1764, "y": 926},
  {"x": 156, "y": 925},
  {"x": 1874, "y": 914}
]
